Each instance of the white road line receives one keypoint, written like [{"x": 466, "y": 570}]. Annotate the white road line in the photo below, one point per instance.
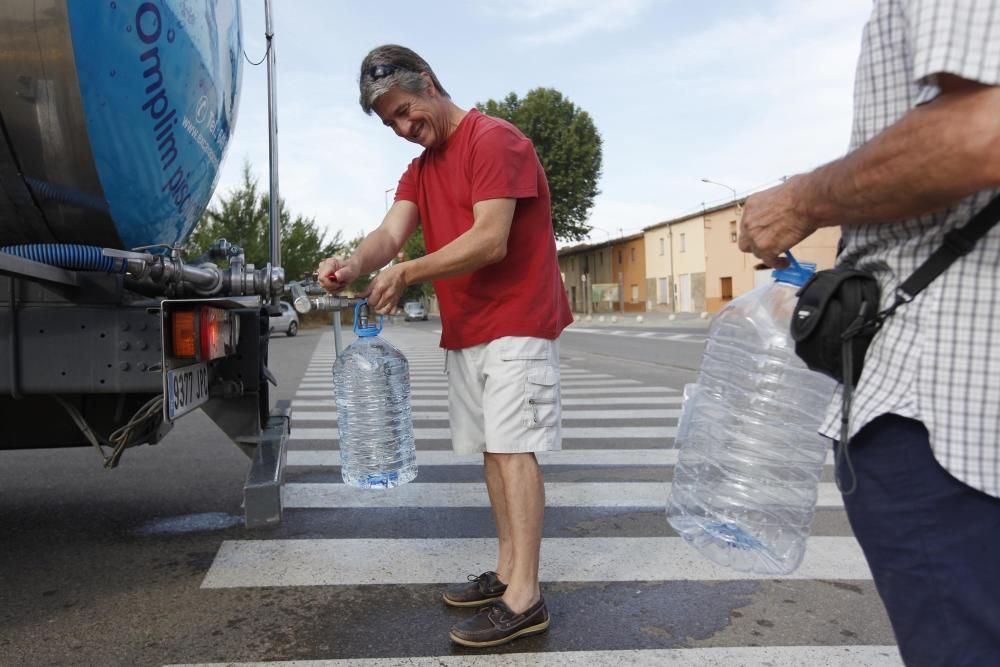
[
  {"x": 354, "y": 562},
  {"x": 713, "y": 656},
  {"x": 473, "y": 494},
  {"x": 568, "y": 433},
  {"x": 566, "y": 391},
  {"x": 590, "y": 457},
  {"x": 582, "y": 391},
  {"x": 566, "y": 402},
  {"x": 661, "y": 456},
  {"x": 567, "y": 415}
]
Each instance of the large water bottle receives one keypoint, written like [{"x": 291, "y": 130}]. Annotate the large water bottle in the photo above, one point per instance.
[
  {"x": 750, "y": 459},
  {"x": 372, "y": 382}
]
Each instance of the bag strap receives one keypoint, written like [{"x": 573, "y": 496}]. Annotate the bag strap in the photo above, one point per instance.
[{"x": 957, "y": 242}]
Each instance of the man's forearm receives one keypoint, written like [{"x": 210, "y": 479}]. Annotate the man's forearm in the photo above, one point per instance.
[
  {"x": 463, "y": 255},
  {"x": 485, "y": 243},
  {"x": 374, "y": 252},
  {"x": 929, "y": 159}
]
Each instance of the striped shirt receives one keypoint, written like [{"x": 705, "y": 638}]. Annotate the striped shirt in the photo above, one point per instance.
[{"x": 937, "y": 359}]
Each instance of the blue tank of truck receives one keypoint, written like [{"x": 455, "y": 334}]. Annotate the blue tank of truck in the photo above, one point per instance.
[{"x": 116, "y": 117}]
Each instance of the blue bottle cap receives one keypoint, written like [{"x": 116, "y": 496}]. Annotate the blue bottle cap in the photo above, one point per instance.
[
  {"x": 362, "y": 327},
  {"x": 795, "y": 273}
]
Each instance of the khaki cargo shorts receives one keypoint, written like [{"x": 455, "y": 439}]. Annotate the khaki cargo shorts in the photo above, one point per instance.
[{"x": 503, "y": 396}]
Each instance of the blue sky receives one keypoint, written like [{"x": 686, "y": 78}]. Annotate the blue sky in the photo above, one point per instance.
[{"x": 742, "y": 92}]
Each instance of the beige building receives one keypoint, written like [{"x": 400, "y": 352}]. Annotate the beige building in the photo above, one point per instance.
[
  {"x": 701, "y": 268},
  {"x": 679, "y": 273},
  {"x": 659, "y": 270},
  {"x": 691, "y": 264}
]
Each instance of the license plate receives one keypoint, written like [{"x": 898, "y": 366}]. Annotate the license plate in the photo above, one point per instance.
[{"x": 187, "y": 388}]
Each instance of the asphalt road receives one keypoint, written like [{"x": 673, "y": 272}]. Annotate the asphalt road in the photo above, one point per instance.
[{"x": 148, "y": 564}]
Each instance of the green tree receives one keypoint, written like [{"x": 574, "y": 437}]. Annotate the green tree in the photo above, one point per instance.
[
  {"x": 413, "y": 248},
  {"x": 242, "y": 219},
  {"x": 569, "y": 148}
]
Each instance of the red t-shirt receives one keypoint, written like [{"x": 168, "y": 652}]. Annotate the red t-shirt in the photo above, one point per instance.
[{"x": 521, "y": 295}]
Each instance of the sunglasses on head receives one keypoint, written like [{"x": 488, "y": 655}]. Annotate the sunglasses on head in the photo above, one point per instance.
[{"x": 377, "y": 72}]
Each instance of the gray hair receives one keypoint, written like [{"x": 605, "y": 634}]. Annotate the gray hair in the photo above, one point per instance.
[{"x": 407, "y": 65}]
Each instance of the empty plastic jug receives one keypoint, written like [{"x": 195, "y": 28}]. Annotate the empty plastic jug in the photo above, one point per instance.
[{"x": 745, "y": 484}]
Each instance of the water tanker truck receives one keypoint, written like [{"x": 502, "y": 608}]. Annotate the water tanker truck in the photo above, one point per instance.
[{"x": 114, "y": 120}]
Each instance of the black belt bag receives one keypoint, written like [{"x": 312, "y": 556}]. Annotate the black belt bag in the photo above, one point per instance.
[
  {"x": 834, "y": 321},
  {"x": 837, "y": 314}
]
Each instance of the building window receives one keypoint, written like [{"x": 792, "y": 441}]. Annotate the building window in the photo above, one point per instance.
[
  {"x": 620, "y": 260},
  {"x": 727, "y": 288},
  {"x": 632, "y": 255},
  {"x": 600, "y": 259},
  {"x": 635, "y": 294},
  {"x": 732, "y": 231},
  {"x": 683, "y": 243},
  {"x": 662, "y": 247},
  {"x": 662, "y": 295}
]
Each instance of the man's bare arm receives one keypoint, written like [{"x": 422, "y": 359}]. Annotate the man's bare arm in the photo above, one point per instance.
[
  {"x": 932, "y": 157},
  {"x": 484, "y": 243},
  {"x": 375, "y": 250}
]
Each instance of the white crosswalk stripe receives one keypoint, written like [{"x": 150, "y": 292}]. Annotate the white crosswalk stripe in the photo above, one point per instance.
[
  {"x": 743, "y": 656},
  {"x": 557, "y": 494},
  {"x": 567, "y": 415},
  {"x": 568, "y": 433},
  {"x": 566, "y": 402},
  {"x": 598, "y": 458},
  {"x": 627, "y": 457},
  {"x": 332, "y": 562}
]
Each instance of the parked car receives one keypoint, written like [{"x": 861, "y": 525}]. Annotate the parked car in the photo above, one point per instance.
[
  {"x": 414, "y": 310},
  {"x": 287, "y": 321}
]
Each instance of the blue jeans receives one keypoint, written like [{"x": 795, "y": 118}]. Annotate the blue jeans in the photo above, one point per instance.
[{"x": 933, "y": 545}]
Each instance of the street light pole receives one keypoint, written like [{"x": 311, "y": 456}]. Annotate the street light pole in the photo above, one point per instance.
[
  {"x": 387, "y": 191},
  {"x": 728, "y": 187}
]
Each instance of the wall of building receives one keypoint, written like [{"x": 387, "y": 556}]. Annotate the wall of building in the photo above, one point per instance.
[
  {"x": 628, "y": 266},
  {"x": 573, "y": 267},
  {"x": 725, "y": 264},
  {"x": 688, "y": 261},
  {"x": 659, "y": 283}
]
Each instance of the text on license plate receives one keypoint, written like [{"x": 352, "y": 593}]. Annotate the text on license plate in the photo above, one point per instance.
[{"x": 187, "y": 388}]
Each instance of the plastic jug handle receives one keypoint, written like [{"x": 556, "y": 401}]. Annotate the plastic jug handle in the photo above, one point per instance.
[{"x": 791, "y": 260}]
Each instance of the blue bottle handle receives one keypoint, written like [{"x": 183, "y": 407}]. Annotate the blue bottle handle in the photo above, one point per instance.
[
  {"x": 791, "y": 260},
  {"x": 357, "y": 318}
]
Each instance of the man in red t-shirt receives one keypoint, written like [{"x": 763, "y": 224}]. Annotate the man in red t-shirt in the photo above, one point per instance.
[{"x": 481, "y": 195}]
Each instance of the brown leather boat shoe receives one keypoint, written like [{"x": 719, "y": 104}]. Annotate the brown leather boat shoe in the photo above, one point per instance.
[{"x": 496, "y": 624}]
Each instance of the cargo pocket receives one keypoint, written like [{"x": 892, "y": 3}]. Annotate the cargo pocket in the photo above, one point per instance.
[
  {"x": 542, "y": 397},
  {"x": 522, "y": 348}
]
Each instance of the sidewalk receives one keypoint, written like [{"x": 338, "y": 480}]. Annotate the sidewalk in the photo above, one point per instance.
[{"x": 649, "y": 320}]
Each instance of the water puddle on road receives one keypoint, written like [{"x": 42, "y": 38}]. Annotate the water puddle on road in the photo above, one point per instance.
[{"x": 188, "y": 523}]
